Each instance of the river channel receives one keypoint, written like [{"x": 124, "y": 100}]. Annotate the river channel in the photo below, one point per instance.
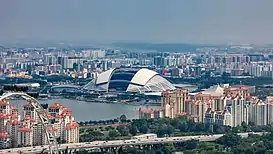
[{"x": 84, "y": 111}]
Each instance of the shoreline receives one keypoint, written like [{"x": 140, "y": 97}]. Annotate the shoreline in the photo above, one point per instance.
[{"x": 105, "y": 102}]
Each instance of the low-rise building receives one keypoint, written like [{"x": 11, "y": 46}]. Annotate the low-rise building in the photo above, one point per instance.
[
  {"x": 144, "y": 136},
  {"x": 148, "y": 113}
]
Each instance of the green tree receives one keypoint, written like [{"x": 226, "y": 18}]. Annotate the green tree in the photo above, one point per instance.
[
  {"x": 168, "y": 148},
  {"x": 269, "y": 152},
  {"x": 190, "y": 152},
  {"x": 82, "y": 152},
  {"x": 123, "y": 130},
  {"x": 114, "y": 133},
  {"x": 143, "y": 129},
  {"x": 259, "y": 147},
  {"x": 123, "y": 118},
  {"x": 175, "y": 122},
  {"x": 183, "y": 127},
  {"x": 242, "y": 148},
  {"x": 229, "y": 140},
  {"x": 200, "y": 127},
  {"x": 164, "y": 130},
  {"x": 1, "y": 92},
  {"x": 133, "y": 130},
  {"x": 109, "y": 128},
  {"x": 191, "y": 144},
  {"x": 245, "y": 127},
  {"x": 129, "y": 149}
]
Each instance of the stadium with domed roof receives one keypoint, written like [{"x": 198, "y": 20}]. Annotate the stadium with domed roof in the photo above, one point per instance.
[{"x": 138, "y": 80}]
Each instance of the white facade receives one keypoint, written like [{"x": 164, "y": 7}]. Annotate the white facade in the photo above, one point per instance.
[
  {"x": 144, "y": 80},
  {"x": 239, "y": 111},
  {"x": 145, "y": 136},
  {"x": 218, "y": 117},
  {"x": 258, "y": 112}
]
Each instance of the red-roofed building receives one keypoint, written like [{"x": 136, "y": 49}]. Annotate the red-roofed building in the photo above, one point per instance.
[
  {"x": 72, "y": 132},
  {"x": 29, "y": 130},
  {"x": 25, "y": 136},
  {"x": 176, "y": 100},
  {"x": 4, "y": 139},
  {"x": 217, "y": 117}
]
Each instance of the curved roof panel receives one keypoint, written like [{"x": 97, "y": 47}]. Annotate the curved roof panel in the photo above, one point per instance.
[
  {"x": 130, "y": 80},
  {"x": 104, "y": 76},
  {"x": 143, "y": 76}
]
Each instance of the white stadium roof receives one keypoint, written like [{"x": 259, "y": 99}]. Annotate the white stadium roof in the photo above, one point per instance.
[{"x": 130, "y": 80}]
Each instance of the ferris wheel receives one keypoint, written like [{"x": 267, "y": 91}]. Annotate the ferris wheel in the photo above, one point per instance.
[{"x": 43, "y": 116}]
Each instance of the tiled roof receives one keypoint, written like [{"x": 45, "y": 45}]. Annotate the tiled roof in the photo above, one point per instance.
[
  {"x": 24, "y": 129},
  {"x": 15, "y": 122},
  {"x": 158, "y": 109},
  {"x": 4, "y": 134},
  {"x": 146, "y": 110},
  {"x": 27, "y": 117},
  {"x": 3, "y": 116},
  {"x": 249, "y": 97},
  {"x": 4, "y": 103},
  {"x": 72, "y": 125},
  {"x": 56, "y": 105},
  {"x": 14, "y": 116}
]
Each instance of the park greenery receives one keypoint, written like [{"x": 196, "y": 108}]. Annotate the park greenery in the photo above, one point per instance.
[
  {"x": 163, "y": 127},
  {"x": 181, "y": 126}
]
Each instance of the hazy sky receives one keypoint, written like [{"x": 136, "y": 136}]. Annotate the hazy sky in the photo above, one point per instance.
[{"x": 179, "y": 21}]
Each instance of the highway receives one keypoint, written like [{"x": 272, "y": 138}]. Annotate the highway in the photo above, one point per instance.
[{"x": 116, "y": 143}]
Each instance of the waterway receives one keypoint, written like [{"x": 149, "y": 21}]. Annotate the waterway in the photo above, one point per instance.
[{"x": 85, "y": 111}]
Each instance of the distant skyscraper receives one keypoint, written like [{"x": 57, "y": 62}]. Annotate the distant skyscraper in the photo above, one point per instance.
[{"x": 1, "y": 51}]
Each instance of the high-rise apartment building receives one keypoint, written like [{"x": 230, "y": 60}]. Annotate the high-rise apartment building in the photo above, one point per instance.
[
  {"x": 239, "y": 110},
  {"x": 259, "y": 113},
  {"x": 218, "y": 117},
  {"x": 269, "y": 102},
  {"x": 28, "y": 130},
  {"x": 174, "y": 102},
  {"x": 221, "y": 105}
]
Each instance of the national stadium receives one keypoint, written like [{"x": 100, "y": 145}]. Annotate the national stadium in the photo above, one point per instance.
[{"x": 135, "y": 80}]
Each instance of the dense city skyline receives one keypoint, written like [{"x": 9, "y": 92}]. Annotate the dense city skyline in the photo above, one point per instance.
[
  {"x": 139, "y": 76},
  {"x": 245, "y": 21}
]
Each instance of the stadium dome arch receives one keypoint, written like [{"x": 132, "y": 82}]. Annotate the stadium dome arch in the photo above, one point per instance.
[{"x": 129, "y": 80}]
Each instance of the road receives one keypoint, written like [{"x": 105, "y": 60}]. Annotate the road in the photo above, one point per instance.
[{"x": 104, "y": 144}]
